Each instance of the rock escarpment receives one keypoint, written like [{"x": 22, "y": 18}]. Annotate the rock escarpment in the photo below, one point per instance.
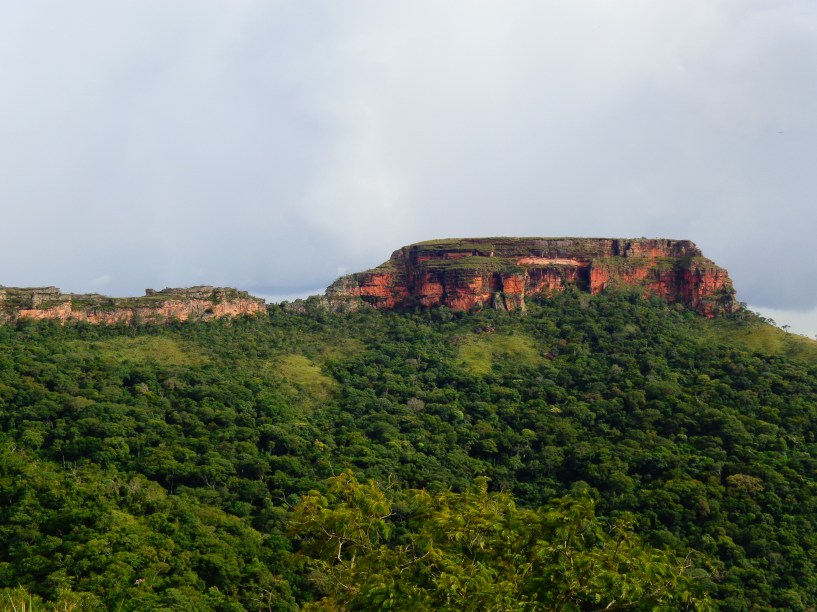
[
  {"x": 501, "y": 272},
  {"x": 194, "y": 303}
]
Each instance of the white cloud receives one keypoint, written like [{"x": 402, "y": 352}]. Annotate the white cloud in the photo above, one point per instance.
[
  {"x": 267, "y": 144},
  {"x": 799, "y": 322},
  {"x": 102, "y": 281}
]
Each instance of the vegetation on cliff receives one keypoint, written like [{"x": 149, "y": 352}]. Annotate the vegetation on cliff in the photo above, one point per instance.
[
  {"x": 157, "y": 307},
  {"x": 473, "y": 273},
  {"x": 213, "y": 466}
]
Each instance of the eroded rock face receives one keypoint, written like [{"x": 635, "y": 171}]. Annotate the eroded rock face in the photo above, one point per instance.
[
  {"x": 500, "y": 272},
  {"x": 195, "y": 303}
]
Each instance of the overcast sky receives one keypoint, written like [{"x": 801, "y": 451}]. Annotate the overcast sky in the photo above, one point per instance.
[{"x": 273, "y": 146}]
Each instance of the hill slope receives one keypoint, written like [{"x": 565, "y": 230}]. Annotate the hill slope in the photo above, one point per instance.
[{"x": 152, "y": 481}]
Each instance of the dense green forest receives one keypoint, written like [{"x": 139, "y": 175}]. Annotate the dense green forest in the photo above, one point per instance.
[{"x": 596, "y": 452}]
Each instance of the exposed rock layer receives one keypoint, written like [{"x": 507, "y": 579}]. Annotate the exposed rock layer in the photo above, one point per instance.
[
  {"x": 194, "y": 303},
  {"x": 500, "y": 272}
]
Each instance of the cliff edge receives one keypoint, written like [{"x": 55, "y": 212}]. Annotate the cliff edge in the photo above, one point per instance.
[
  {"x": 194, "y": 303},
  {"x": 468, "y": 273}
]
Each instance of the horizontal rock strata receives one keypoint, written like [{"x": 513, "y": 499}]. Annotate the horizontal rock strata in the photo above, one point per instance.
[
  {"x": 195, "y": 303},
  {"x": 463, "y": 274}
]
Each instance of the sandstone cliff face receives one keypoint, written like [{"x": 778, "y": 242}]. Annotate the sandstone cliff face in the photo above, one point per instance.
[
  {"x": 195, "y": 303},
  {"x": 501, "y": 272}
]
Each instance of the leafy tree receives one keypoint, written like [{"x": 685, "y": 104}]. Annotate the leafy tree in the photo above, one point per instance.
[
  {"x": 377, "y": 549},
  {"x": 20, "y": 599}
]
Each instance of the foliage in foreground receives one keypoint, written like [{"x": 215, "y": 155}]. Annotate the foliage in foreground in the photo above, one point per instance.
[
  {"x": 20, "y": 599},
  {"x": 410, "y": 550}
]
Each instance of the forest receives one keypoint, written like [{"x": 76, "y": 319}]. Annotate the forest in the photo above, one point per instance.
[{"x": 595, "y": 452}]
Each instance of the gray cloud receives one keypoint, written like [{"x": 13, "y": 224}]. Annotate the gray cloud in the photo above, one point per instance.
[{"x": 274, "y": 145}]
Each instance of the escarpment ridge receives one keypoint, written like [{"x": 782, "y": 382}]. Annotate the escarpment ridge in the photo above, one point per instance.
[
  {"x": 501, "y": 272},
  {"x": 462, "y": 274},
  {"x": 194, "y": 303}
]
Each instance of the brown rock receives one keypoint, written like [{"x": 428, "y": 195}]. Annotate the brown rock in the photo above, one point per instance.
[
  {"x": 195, "y": 303},
  {"x": 500, "y": 272}
]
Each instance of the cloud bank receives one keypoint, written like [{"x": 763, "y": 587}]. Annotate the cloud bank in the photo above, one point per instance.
[{"x": 275, "y": 145}]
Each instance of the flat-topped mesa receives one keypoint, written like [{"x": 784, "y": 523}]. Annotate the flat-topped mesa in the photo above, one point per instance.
[
  {"x": 201, "y": 303},
  {"x": 500, "y": 272}
]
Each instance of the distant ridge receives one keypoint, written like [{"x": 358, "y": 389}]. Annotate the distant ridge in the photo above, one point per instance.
[
  {"x": 193, "y": 303},
  {"x": 460, "y": 273}
]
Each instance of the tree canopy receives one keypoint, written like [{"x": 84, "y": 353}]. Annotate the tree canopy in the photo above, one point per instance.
[{"x": 144, "y": 466}]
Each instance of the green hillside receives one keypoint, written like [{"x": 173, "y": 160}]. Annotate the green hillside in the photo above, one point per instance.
[
  {"x": 755, "y": 335},
  {"x": 597, "y": 452}
]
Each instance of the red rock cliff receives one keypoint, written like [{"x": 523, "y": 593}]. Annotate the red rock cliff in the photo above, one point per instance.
[
  {"x": 500, "y": 272},
  {"x": 194, "y": 303}
]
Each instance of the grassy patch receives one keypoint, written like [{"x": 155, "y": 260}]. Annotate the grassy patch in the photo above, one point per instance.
[
  {"x": 456, "y": 244},
  {"x": 481, "y": 352},
  {"x": 466, "y": 263},
  {"x": 756, "y": 336},
  {"x": 323, "y": 347},
  {"x": 144, "y": 349},
  {"x": 340, "y": 348},
  {"x": 305, "y": 376}
]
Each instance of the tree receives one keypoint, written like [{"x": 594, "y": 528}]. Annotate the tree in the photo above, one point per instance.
[{"x": 375, "y": 549}]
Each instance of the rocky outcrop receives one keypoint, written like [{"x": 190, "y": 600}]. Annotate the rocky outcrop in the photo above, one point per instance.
[
  {"x": 501, "y": 272},
  {"x": 195, "y": 303}
]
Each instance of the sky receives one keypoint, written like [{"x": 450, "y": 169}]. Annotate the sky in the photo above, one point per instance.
[{"x": 273, "y": 146}]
